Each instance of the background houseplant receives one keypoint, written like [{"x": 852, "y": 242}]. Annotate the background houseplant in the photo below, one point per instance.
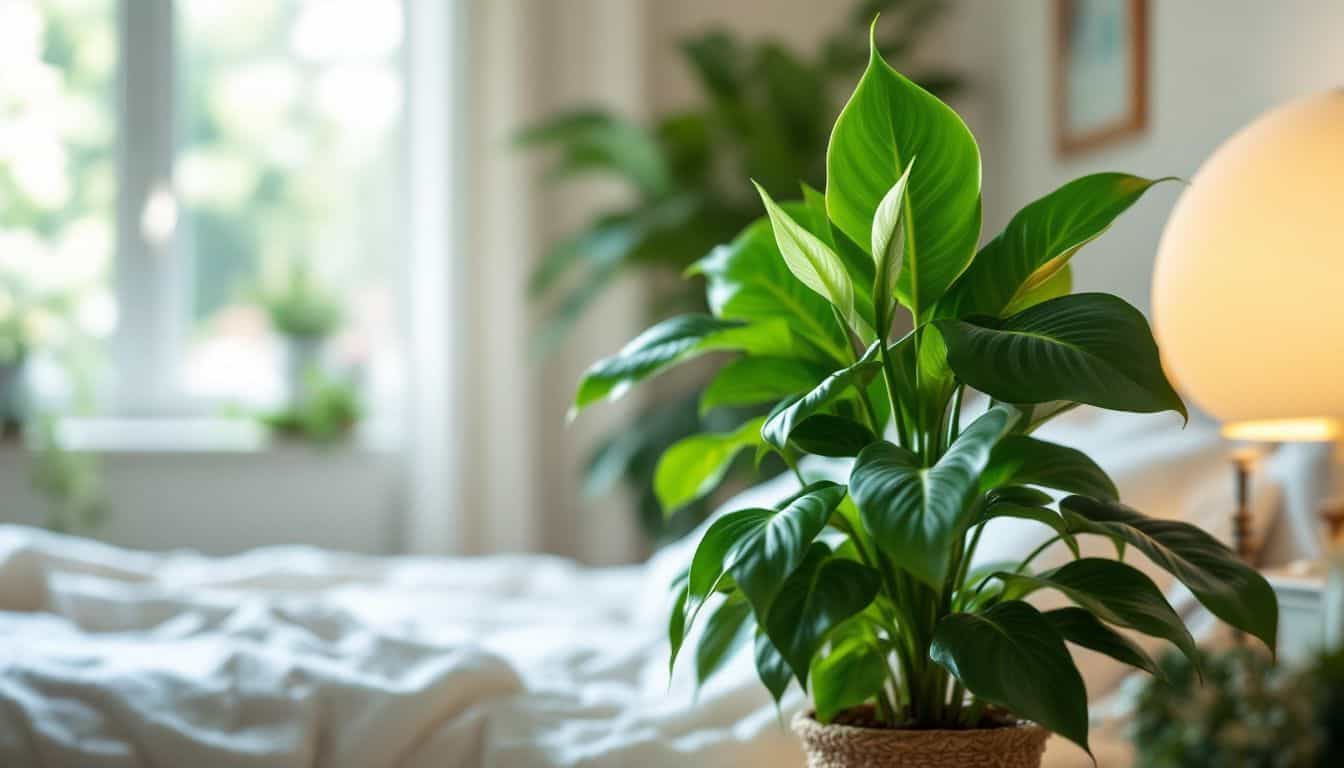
[
  {"x": 864, "y": 593},
  {"x": 764, "y": 116},
  {"x": 304, "y": 312},
  {"x": 1246, "y": 711}
]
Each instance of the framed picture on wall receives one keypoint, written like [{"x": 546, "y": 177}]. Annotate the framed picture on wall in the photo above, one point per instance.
[{"x": 1101, "y": 72}]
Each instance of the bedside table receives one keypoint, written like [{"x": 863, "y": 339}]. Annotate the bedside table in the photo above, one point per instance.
[{"x": 1311, "y": 616}]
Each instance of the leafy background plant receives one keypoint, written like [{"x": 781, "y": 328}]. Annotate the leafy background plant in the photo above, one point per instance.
[
  {"x": 1245, "y": 711},
  {"x": 864, "y": 592},
  {"x": 765, "y": 115}
]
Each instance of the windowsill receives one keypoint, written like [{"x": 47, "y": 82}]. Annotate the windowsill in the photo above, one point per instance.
[{"x": 207, "y": 436}]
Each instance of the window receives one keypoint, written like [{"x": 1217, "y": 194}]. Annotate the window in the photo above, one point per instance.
[
  {"x": 247, "y": 137},
  {"x": 57, "y": 190}
]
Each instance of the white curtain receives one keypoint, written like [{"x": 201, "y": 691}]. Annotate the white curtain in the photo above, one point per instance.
[{"x": 492, "y": 467}]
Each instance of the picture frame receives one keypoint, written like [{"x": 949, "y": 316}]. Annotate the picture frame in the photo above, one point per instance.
[{"x": 1100, "y": 73}]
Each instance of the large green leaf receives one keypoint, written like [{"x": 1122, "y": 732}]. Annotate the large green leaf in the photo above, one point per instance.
[
  {"x": 784, "y": 420},
  {"x": 812, "y": 261},
  {"x": 671, "y": 342},
  {"x": 1009, "y": 273},
  {"x": 835, "y": 436},
  {"x": 1080, "y": 627},
  {"x": 694, "y": 466},
  {"x": 753, "y": 380},
  {"x": 852, "y": 673},
  {"x": 1089, "y": 348},
  {"x": 758, "y": 548},
  {"x": 915, "y": 513},
  {"x": 725, "y": 631},
  {"x": 766, "y": 554},
  {"x": 748, "y": 280},
  {"x": 1230, "y": 589},
  {"x": 1115, "y": 593},
  {"x": 816, "y": 598},
  {"x": 771, "y": 667},
  {"x": 1022, "y": 460},
  {"x": 1012, "y": 656},
  {"x": 1042, "y": 515},
  {"x": 888, "y": 122}
]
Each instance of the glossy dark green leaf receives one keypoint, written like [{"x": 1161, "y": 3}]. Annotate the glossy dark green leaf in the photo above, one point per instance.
[
  {"x": 1115, "y": 593},
  {"x": 888, "y": 122},
  {"x": 753, "y": 380},
  {"x": 828, "y": 435},
  {"x": 1080, "y": 627},
  {"x": 747, "y": 279},
  {"x": 1230, "y": 589},
  {"x": 671, "y": 342},
  {"x": 725, "y": 631},
  {"x": 1022, "y": 460},
  {"x": 696, "y": 465},
  {"x": 676, "y": 622},
  {"x": 767, "y": 554},
  {"x": 758, "y": 548},
  {"x": 771, "y": 667},
  {"x": 916, "y": 513},
  {"x": 781, "y": 423},
  {"x": 1042, "y": 515},
  {"x": 812, "y": 261},
  {"x": 1089, "y": 348},
  {"x": 1012, "y": 656},
  {"x": 816, "y": 598},
  {"x": 1011, "y": 271},
  {"x": 850, "y": 674}
]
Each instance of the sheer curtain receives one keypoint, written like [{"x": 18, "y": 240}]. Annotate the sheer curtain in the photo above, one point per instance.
[{"x": 491, "y": 465}]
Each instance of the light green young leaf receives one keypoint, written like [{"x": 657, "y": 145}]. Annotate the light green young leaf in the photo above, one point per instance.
[
  {"x": 812, "y": 261},
  {"x": 694, "y": 466},
  {"x": 850, "y": 674},
  {"x": 888, "y": 242}
]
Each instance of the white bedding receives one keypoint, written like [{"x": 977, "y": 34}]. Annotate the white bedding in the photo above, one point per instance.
[{"x": 297, "y": 657}]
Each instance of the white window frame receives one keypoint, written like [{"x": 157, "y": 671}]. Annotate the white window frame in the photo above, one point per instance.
[{"x": 153, "y": 278}]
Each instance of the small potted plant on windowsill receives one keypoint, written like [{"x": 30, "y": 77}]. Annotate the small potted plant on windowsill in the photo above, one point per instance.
[
  {"x": 305, "y": 313},
  {"x": 865, "y": 593}
]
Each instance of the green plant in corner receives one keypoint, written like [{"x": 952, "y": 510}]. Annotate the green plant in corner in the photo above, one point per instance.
[
  {"x": 763, "y": 114},
  {"x": 864, "y": 593}
]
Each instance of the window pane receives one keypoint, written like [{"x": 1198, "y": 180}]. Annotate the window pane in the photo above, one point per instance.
[
  {"x": 57, "y": 191},
  {"x": 288, "y": 165}
]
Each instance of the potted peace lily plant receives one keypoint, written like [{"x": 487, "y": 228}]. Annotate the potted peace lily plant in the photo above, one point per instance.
[{"x": 864, "y": 593}]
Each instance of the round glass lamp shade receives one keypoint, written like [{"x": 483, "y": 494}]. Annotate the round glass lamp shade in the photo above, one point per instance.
[{"x": 1248, "y": 291}]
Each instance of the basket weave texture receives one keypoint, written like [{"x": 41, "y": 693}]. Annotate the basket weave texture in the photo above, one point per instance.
[{"x": 847, "y": 746}]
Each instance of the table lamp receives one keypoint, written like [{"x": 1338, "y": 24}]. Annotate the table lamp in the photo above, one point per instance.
[{"x": 1248, "y": 289}]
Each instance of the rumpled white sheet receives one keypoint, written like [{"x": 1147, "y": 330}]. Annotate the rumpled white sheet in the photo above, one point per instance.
[{"x": 297, "y": 657}]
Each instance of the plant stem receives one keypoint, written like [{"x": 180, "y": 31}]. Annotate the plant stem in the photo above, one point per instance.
[{"x": 1037, "y": 551}]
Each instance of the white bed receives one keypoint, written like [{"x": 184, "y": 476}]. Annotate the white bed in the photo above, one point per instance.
[{"x": 299, "y": 657}]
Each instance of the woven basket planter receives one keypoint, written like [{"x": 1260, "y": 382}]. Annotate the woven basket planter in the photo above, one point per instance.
[{"x": 849, "y": 746}]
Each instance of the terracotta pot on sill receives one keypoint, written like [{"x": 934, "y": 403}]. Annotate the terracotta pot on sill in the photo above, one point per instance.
[{"x": 840, "y": 745}]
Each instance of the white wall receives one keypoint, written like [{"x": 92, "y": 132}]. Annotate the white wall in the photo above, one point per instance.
[{"x": 1215, "y": 65}]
